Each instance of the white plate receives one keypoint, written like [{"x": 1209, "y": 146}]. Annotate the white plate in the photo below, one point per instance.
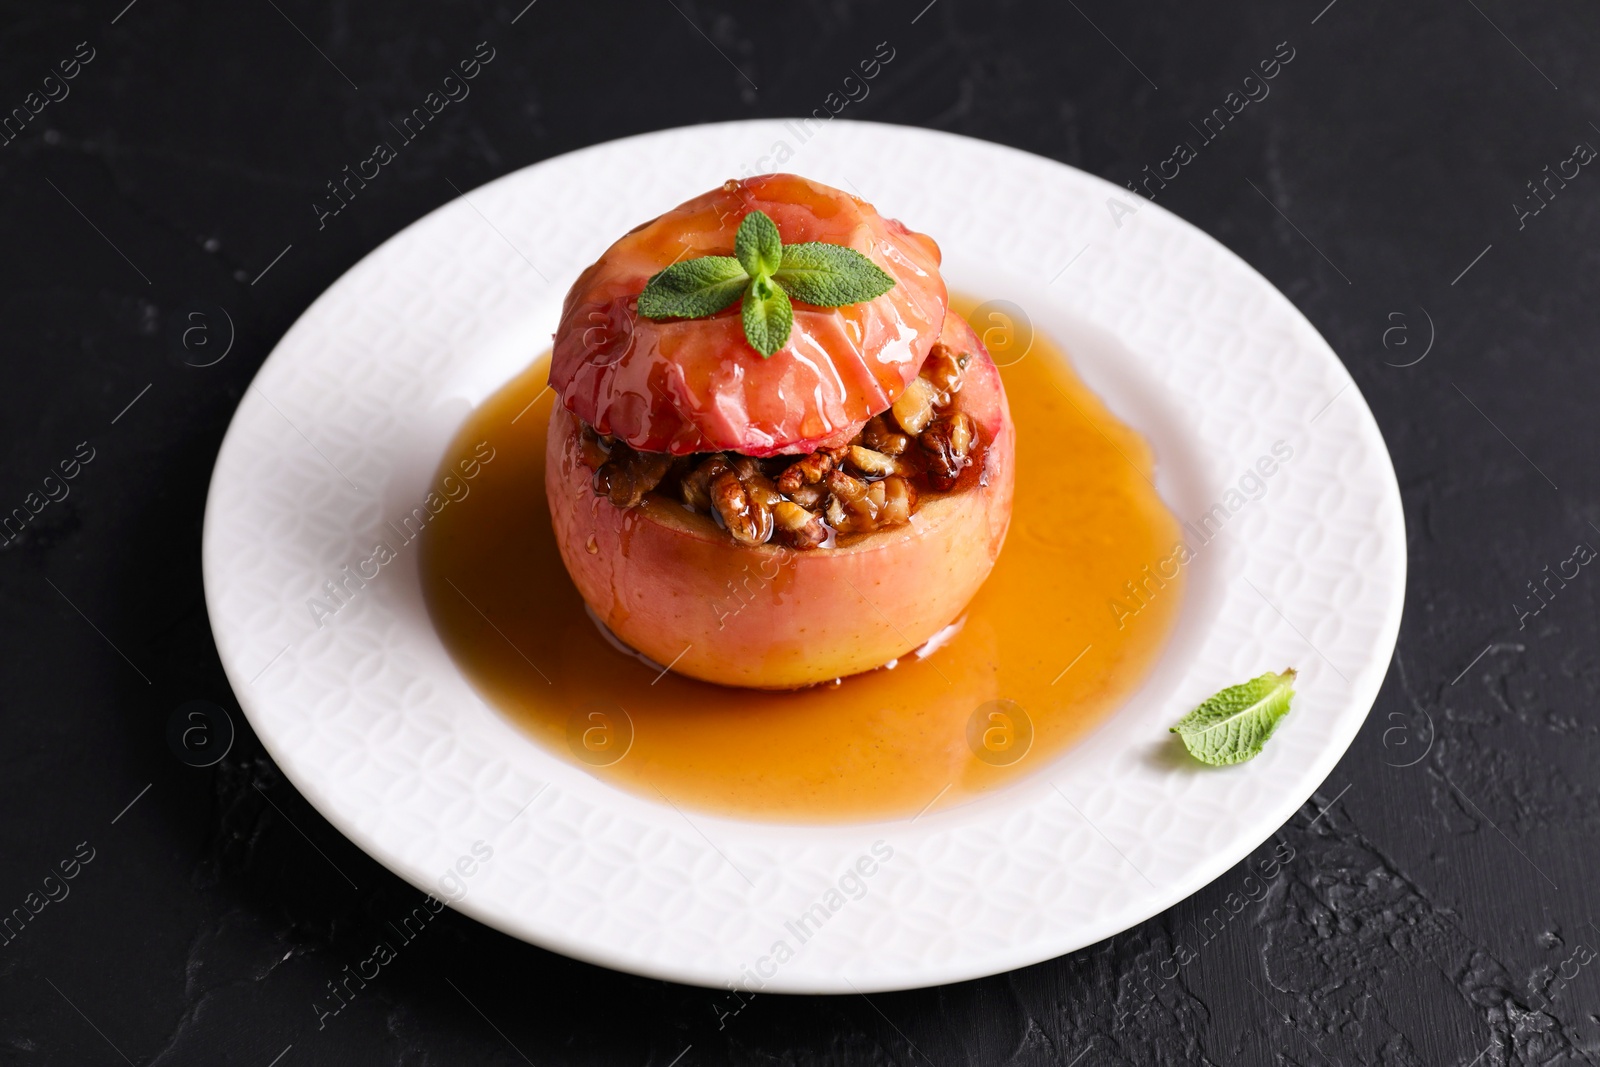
[{"x": 370, "y": 718}]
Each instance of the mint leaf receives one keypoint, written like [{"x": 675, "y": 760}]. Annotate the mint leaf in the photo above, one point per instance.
[
  {"x": 1232, "y": 726},
  {"x": 757, "y": 245},
  {"x": 831, "y": 275},
  {"x": 767, "y": 316},
  {"x": 766, "y": 273},
  {"x": 693, "y": 288}
]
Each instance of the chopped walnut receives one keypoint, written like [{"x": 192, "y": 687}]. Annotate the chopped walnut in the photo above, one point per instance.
[
  {"x": 947, "y": 449},
  {"x": 801, "y": 528},
  {"x": 963, "y": 433},
  {"x": 870, "y": 462},
  {"x": 900, "y": 498},
  {"x": 756, "y": 482},
  {"x": 837, "y": 517},
  {"x": 877, "y": 436},
  {"x": 859, "y": 506},
  {"x": 943, "y": 370},
  {"x": 808, "y": 470},
  {"x": 626, "y": 476},
  {"x": 747, "y": 519},
  {"x": 695, "y": 489},
  {"x": 845, "y": 487},
  {"x": 810, "y": 496},
  {"x": 913, "y": 409}
]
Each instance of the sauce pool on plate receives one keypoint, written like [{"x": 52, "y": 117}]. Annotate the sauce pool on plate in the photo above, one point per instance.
[{"x": 1050, "y": 646}]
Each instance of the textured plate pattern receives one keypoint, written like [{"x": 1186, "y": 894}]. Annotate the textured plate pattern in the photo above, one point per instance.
[{"x": 337, "y": 440}]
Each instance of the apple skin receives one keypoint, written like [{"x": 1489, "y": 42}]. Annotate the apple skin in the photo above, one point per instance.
[
  {"x": 696, "y": 385},
  {"x": 673, "y": 585}
]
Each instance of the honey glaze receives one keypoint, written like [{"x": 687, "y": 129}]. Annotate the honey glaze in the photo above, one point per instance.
[{"x": 1054, "y": 641}]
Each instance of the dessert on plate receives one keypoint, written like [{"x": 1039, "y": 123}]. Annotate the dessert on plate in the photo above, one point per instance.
[{"x": 777, "y": 458}]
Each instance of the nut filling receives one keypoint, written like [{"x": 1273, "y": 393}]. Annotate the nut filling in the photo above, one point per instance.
[{"x": 921, "y": 444}]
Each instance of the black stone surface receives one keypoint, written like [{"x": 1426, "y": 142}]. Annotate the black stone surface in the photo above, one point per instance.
[{"x": 1439, "y": 906}]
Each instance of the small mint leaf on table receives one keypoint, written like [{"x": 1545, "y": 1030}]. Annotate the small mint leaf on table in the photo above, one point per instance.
[
  {"x": 768, "y": 316},
  {"x": 693, "y": 288},
  {"x": 757, "y": 245},
  {"x": 831, "y": 275},
  {"x": 1233, "y": 726}
]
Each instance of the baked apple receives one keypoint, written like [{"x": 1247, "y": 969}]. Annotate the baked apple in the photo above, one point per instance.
[{"x": 785, "y": 490}]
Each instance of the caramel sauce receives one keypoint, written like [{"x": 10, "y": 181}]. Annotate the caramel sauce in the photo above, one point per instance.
[{"x": 1013, "y": 685}]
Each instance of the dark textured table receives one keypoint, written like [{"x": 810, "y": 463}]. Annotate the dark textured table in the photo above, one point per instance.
[{"x": 1411, "y": 178}]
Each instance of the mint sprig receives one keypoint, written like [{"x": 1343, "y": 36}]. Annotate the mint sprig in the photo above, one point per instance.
[
  {"x": 768, "y": 316},
  {"x": 831, "y": 276},
  {"x": 758, "y": 246},
  {"x": 1233, "y": 726},
  {"x": 768, "y": 274},
  {"x": 693, "y": 289}
]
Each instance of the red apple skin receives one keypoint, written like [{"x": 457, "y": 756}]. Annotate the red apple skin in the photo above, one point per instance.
[
  {"x": 673, "y": 585},
  {"x": 696, "y": 385}
]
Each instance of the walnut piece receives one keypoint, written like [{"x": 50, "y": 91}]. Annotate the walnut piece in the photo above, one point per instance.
[
  {"x": 943, "y": 370},
  {"x": 900, "y": 498},
  {"x": 947, "y": 449},
  {"x": 695, "y": 489},
  {"x": 913, "y": 409},
  {"x": 626, "y": 476},
  {"x": 801, "y": 528},
  {"x": 871, "y": 462},
  {"x": 808, "y": 470},
  {"x": 747, "y": 519},
  {"x": 877, "y": 436}
]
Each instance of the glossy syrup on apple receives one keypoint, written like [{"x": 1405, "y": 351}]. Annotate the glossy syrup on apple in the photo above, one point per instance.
[{"x": 1045, "y": 651}]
